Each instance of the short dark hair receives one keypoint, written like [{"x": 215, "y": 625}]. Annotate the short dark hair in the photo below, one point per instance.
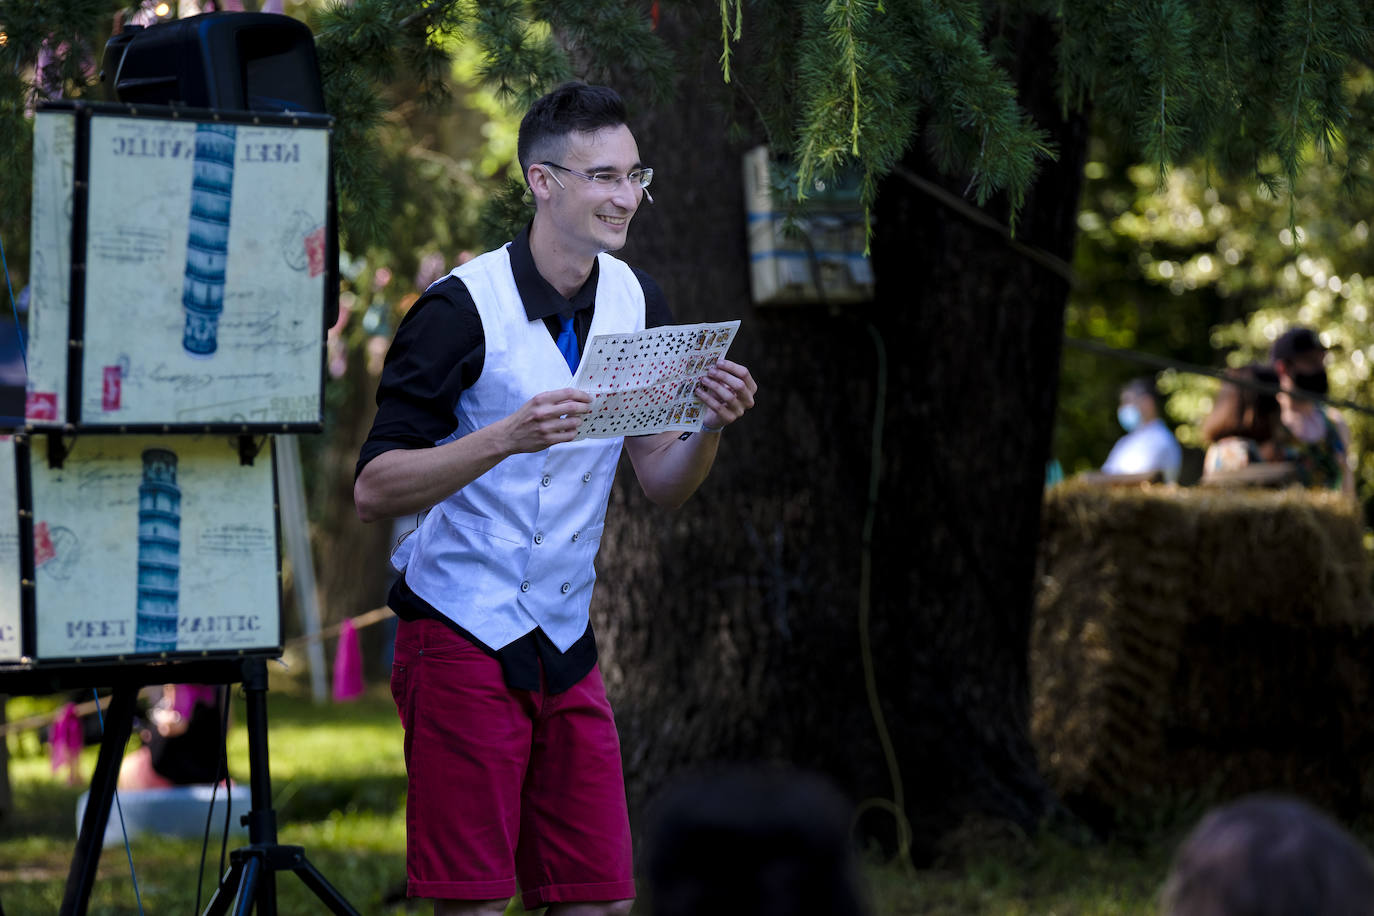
[
  {"x": 572, "y": 107},
  {"x": 1295, "y": 342},
  {"x": 1245, "y": 411},
  {"x": 1142, "y": 385},
  {"x": 1269, "y": 855}
]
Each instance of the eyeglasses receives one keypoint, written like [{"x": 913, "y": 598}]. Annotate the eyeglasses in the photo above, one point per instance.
[{"x": 608, "y": 180}]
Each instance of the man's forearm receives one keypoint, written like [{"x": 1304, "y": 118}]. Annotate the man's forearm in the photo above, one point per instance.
[
  {"x": 404, "y": 481},
  {"x": 671, "y": 468}
]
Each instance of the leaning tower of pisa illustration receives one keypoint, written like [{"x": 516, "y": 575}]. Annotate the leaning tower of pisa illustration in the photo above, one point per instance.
[
  {"x": 159, "y": 552},
  {"x": 207, "y": 246}
]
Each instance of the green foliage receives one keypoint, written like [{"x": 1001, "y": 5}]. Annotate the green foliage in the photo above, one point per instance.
[
  {"x": 1210, "y": 271},
  {"x": 1250, "y": 88},
  {"x": 525, "y": 47},
  {"x": 861, "y": 76},
  {"x": 71, "y": 35}
]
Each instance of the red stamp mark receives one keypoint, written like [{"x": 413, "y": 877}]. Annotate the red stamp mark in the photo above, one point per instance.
[
  {"x": 314, "y": 251},
  {"x": 113, "y": 389},
  {"x": 41, "y": 405},
  {"x": 43, "y": 550}
]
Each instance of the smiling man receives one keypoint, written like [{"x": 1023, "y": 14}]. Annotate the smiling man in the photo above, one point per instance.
[{"x": 511, "y": 749}]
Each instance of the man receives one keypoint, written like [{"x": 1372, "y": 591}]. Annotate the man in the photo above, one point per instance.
[
  {"x": 1148, "y": 446},
  {"x": 1321, "y": 450},
  {"x": 511, "y": 749}
]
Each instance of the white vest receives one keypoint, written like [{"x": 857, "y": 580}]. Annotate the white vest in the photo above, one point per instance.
[{"x": 514, "y": 549}]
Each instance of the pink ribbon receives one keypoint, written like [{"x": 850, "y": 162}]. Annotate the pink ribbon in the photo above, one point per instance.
[
  {"x": 185, "y": 698},
  {"x": 348, "y": 665},
  {"x": 66, "y": 739}
]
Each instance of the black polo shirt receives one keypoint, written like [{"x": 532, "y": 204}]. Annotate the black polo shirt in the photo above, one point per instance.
[{"x": 436, "y": 355}]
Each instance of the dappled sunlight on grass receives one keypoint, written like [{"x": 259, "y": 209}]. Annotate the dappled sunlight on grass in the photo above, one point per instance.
[{"x": 338, "y": 780}]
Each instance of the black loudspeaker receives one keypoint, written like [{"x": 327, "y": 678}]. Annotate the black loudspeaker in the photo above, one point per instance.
[{"x": 226, "y": 61}]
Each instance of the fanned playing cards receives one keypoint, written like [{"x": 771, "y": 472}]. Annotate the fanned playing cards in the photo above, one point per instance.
[{"x": 646, "y": 382}]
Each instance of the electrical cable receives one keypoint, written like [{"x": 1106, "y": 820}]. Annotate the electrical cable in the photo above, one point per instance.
[
  {"x": 128, "y": 850},
  {"x": 228, "y": 792},
  {"x": 221, "y": 775},
  {"x": 896, "y": 806}
]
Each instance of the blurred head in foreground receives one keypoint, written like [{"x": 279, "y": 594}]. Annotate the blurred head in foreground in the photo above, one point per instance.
[
  {"x": 1269, "y": 856},
  {"x": 761, "y": 841}
]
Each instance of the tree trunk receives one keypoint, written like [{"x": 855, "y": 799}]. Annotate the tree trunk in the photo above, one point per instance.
[
  {"x": 731, "y": 629},
  {"x": 6, "y": 794},
  {"x": 350, "y": 558}
]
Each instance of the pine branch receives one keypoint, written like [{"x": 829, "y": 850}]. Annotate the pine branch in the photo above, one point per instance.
[{"x": 727, "y": 35}]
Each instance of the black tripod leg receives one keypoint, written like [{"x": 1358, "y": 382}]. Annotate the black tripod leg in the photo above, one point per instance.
[
  {"x": 267, "y": 893},
  {"x": 322, "y": 889},
  {"x": 258, "y": 864},
  {"x": 119, "y": 722}
]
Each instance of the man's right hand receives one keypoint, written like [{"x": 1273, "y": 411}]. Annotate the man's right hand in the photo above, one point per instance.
[
  {"x": 546, "y": 419},
  {"x": 403, "y": 481}
]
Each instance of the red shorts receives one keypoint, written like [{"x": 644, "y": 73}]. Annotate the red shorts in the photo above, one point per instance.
[{"x": 507, "y": 784}]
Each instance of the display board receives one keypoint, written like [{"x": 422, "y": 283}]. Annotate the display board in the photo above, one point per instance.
[
  {"x": 180, "y": 270},
  {"x": 11, "y": 646},
  {"x": 146, "y": 547}
]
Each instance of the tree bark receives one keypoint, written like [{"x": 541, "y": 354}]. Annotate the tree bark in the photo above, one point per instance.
[
  {"x": 6, "y": 794},
  {"x": 731, "y": 629}
]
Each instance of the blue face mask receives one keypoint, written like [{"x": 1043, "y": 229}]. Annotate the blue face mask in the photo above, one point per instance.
[{"x": 1128, "y": 415}]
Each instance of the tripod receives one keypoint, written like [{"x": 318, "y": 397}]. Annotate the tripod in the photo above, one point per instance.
[{"x": 251, "y": 878}]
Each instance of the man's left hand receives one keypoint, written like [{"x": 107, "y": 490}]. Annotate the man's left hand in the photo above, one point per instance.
[{"x": 728, "y": 391}]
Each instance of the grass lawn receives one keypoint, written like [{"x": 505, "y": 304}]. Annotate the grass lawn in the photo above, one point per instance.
[{"x": 338, "y": 783}]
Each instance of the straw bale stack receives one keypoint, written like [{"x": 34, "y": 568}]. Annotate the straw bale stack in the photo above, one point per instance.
[{"x": 1192, "y": 644}]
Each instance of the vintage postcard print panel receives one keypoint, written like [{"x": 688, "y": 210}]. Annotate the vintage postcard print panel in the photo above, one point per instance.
[
  {"x": 54, "y": 148},
  {"x": 149, "y": 546},
  {"x": 11, "y": 646},
  {"x": 205, "y": 272}
]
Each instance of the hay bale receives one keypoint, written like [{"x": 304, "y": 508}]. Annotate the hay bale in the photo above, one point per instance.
[{"x": 1201, "y": 642}]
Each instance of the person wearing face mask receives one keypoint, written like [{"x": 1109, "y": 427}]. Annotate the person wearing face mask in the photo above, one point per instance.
[
  {"x": 1148, "y": 448},
  {"x": 1320, "y": 445}
]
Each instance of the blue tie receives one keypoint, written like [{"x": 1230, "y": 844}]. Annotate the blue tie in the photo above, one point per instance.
[{"x": 567, "y": 343}]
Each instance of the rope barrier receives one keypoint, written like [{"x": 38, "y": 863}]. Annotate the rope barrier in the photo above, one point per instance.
[
  {"x": 1163, "y": 362},
  {"x": 33, "y": 723}
]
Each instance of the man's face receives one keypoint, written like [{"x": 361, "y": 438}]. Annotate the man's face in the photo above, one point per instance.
[
  {"x": 588, "y": 218},
  {"x": 1312, "y": 362}
]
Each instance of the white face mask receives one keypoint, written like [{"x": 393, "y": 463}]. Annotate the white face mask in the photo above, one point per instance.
[{"x": 1128, "y": 415}]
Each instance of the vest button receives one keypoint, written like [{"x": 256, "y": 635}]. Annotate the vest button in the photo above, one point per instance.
[
  {"x": 525, "y": 586},
  {"x": 546, "y": 481},
  {"x": 566, "y": 587},
  {"x": 539, "y": 537},
  {"x": 576, "y": 535},
  {"x": 586, "y": 478}
]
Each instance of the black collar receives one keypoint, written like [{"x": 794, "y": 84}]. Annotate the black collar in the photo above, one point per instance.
[{"x": 540, "y": 298}]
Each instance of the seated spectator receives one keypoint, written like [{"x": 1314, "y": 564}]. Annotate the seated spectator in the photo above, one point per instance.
[
  {"x": 758, "y": 841},
  {"x": 184, "y": 744},
  {"x": 1321, "y": 439},
  {"x": 1243, "y": 430},
  {"x": 1269, "y": 856},
  {"x": 1148, "y": 448}
]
